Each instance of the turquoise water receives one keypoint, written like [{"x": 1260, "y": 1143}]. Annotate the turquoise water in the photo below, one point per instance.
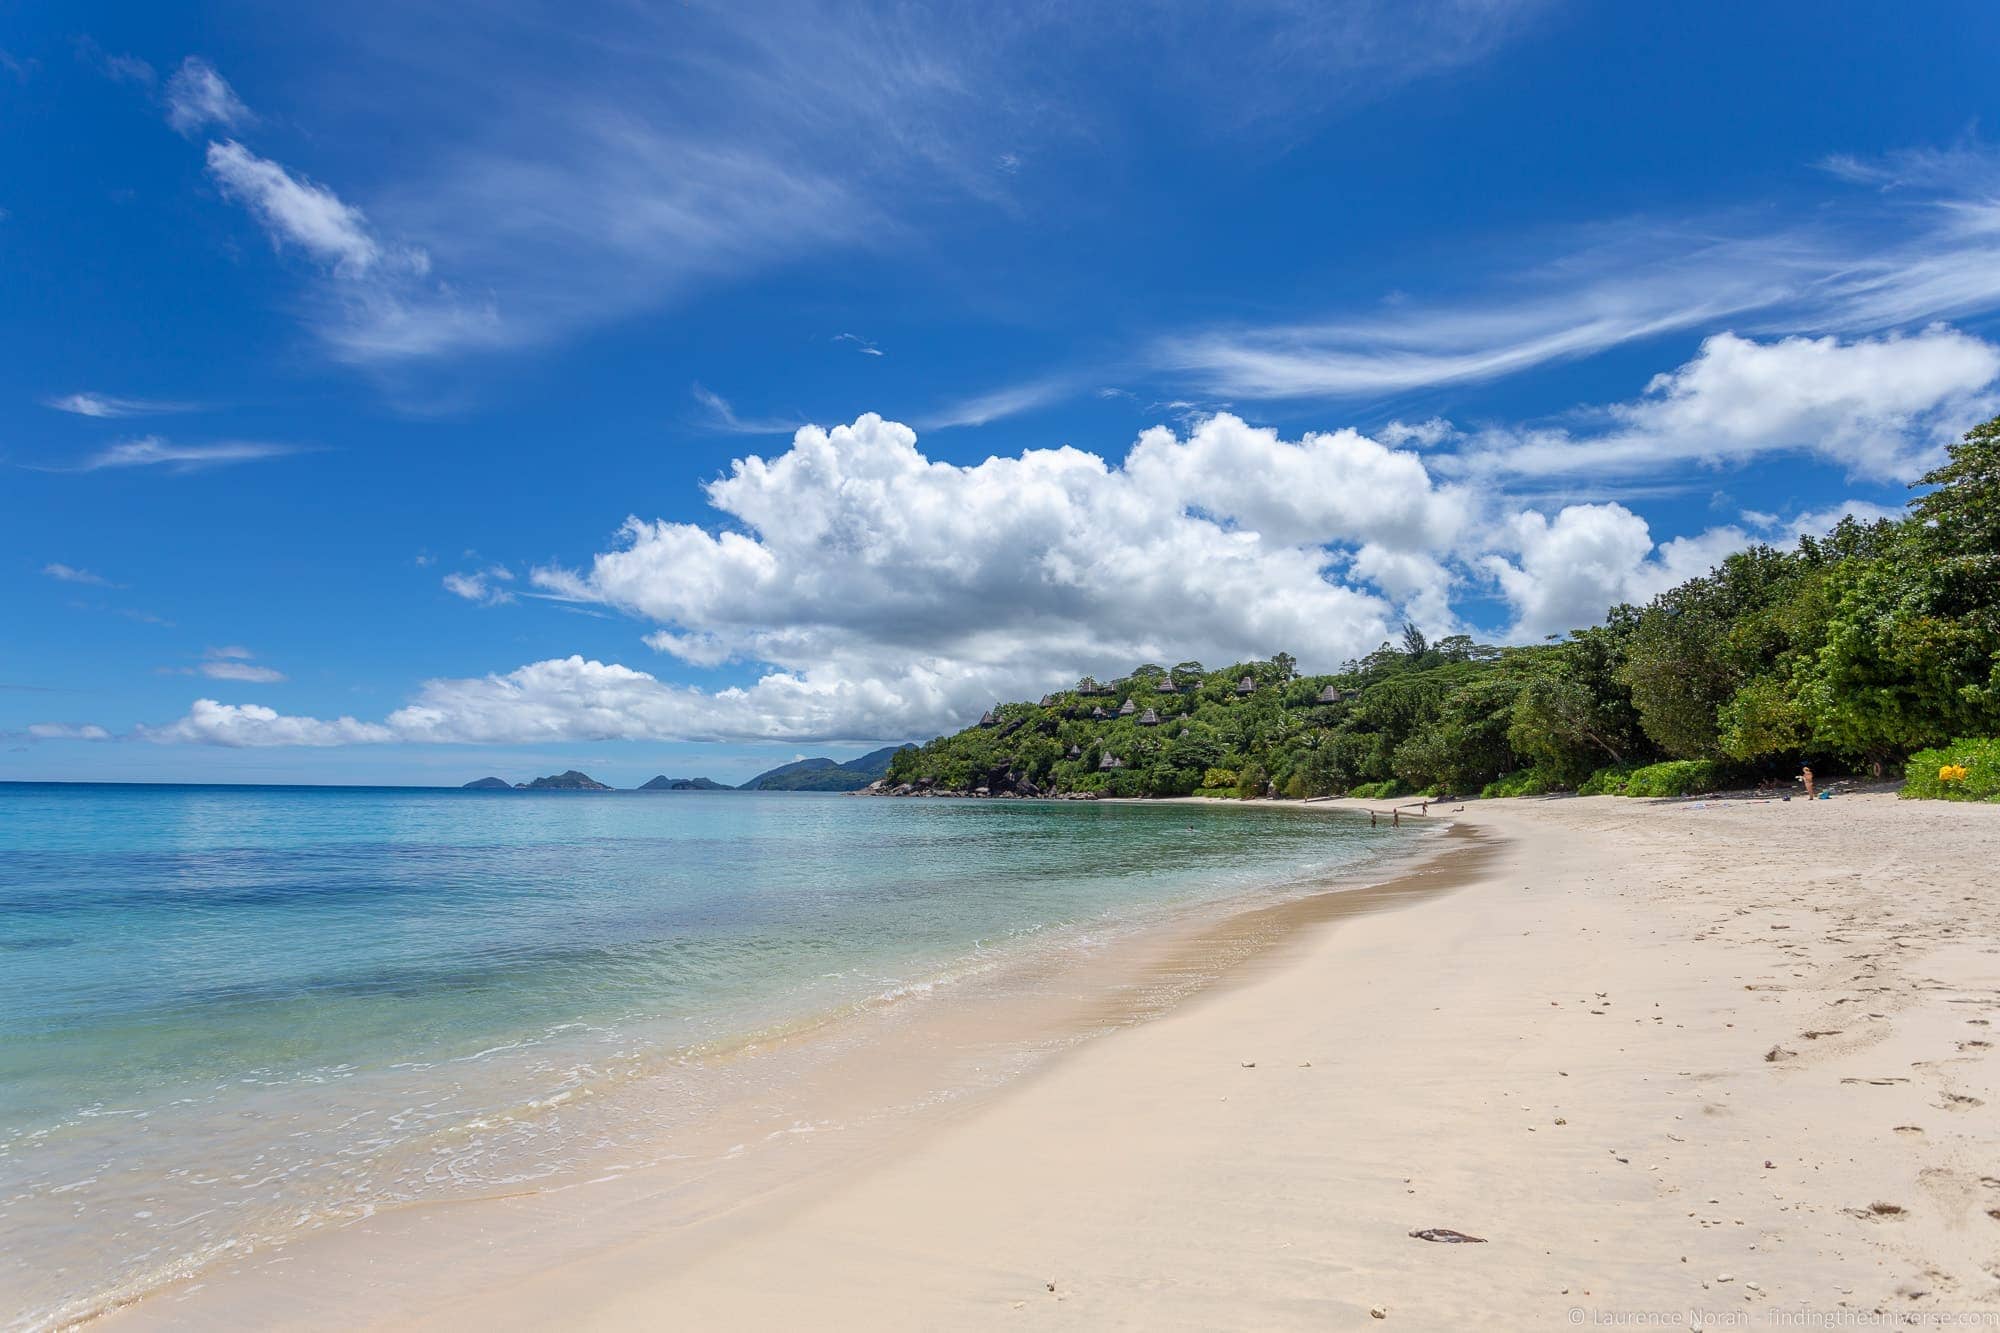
[{"x": 226, "y": 1013}]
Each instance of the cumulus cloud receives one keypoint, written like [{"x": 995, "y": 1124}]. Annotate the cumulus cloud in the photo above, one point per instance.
[
  {"x": 1567, "y": 571},
  {"x": 883, "y": 594},
  {"x": 855, "y": 547},
  {"x": 1881, "y": 408},
  {"x": 211, "y": 723},
  {"x": 198, "y": 98},
  {"x": 877, "y": 593}
]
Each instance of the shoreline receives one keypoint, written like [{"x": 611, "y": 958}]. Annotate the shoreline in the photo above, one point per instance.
[
  {"x": 847, "y": 1076},
  {"x": 1732, "y": 1058}
]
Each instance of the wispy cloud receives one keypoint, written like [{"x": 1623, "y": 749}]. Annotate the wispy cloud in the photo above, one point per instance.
[
  {"x": 1011, "y": 400},
  {"x": 116, "y": 67},
  {"x": 561, "y": 175},
  {"x": 199, "y": 99},
  {"x": 155, "y": 451},
  {"x": 232, "y": 663},
  {"x": 1928, "y": 249},
  {"x": 722, "y": 417},
  {"x": 104, "y": 406},
  {"x": 298, "y": 212},
  {"x": 70, "y": 574},
  {"x": 67, "y": 731},
  {"x": 482, "y": 586},
  {"x": 861, "y": 344}
]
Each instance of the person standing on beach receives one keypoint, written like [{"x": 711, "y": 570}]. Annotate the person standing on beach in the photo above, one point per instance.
[{"x": 1807, "y": 778}]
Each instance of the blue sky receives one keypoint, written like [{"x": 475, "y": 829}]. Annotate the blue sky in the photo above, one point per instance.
[{"x": 390, "y": 400}]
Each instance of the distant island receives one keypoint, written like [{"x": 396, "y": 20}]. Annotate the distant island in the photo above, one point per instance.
[
  {"x": 570, "y": 781},
  {"x": 820, "y": 774},
  {"x": 824, "y": 774}
]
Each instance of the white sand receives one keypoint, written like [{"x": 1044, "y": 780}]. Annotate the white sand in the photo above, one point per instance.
[{"x": 1568, "y": 1057}]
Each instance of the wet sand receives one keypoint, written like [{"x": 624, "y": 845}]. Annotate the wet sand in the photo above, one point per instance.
[{"x": 1726, "y": 1057}]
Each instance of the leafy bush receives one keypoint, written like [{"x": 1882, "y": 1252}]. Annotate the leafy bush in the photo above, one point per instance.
[
  {"x": 1675, "y": 777},
  {"x": 1378, "y": 791},
  {"x": 1965, "y": 770},
  {"x": 1219, "y": 777},
  {"x": 1608, "y": 781},
  {"x": 1522, "y": 782}
]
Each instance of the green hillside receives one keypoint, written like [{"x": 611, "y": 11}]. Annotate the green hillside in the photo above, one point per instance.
[{"x": 824, "y": 774}]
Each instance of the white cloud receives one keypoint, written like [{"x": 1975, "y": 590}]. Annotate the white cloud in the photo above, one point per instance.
[
  {"x": 1818, "y": 522},
  {"x": 1010, "y": 401},
  {"x": 723, "y": 417},
  {"x": 1423, "y": 434},
  {"x": 198, "y": 99},
  {"x": 295, "y": 211},
  {"x": 633, "y": 156},
  {"x": 66, "y": 731},
  {"x": 211, "y": 723},
  {"x": 245, "y": 672},
  {"x": 482, "y": 586},
  {"x": 861, "y": 344},
  {"x": 70, "y": 574},
  {"x": 231, "y": 664},
  {"x": 888, "y": 595},
  {"x": 1925, "y": 246},
  {"x": 105, "y": 406},
  {"x": 153, "y": 451},
  {"x": 1567, "y": 572},
  {"x": 1881, "y": 408},
  {"x": 879, "y": 594},
  {"x": 379, "y": 300},
  {"x": 1634, "y": 289}
]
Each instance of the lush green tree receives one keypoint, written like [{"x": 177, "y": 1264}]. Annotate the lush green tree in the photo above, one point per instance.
[{"x": 1682, "y": 662}]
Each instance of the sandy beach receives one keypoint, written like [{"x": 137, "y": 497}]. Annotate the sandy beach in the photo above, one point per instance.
[{"x": 1716, "y": 1059}]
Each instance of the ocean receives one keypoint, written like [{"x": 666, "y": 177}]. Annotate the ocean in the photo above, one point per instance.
[{"x": 233, "y": 1015}]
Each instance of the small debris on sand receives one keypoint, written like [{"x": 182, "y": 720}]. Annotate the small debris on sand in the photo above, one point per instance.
[{"x": 1446, "y": 1236}]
